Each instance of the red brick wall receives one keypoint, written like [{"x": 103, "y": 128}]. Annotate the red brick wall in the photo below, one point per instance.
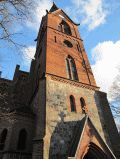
[{"x": 57, "y": 51}]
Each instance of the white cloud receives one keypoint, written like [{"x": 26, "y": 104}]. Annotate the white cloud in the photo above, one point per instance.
[
  {"x": 106, "y": 56},
  {"x": 117, "y": 120},
  {"x": 38, "y": 12},
  {"x": 92, "y": 12},
  {"x": 28, "y": 55}
]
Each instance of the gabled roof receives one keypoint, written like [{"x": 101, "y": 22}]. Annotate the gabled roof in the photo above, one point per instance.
[
  {"x": 55, "y": 8},
  {"x": 77, "y": 144}
]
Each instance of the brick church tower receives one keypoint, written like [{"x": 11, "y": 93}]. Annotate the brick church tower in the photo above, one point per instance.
[
  {"x": 73, "y": 118},
  {"x": 56, "y": 110}
]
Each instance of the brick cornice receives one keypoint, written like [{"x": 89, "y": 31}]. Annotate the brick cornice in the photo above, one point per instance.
[{"x": 71, "y": 82}]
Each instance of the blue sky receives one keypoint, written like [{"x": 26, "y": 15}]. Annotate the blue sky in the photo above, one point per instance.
[{"x": 99, "y": 28}]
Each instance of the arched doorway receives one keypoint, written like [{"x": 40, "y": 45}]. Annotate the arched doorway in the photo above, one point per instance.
[{"x": 95, "y": 152}]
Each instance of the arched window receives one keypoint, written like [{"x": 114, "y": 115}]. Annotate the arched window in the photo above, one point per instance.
[
  {"x": 71, "y": 68},
  {"x": 72, "y": 104},
  {"x": 68, "y": 43},
  {"x": 82, "y": 103},
  {"x": 3, "y": 138},
  {"x": 22, "y": 140},
  {"x": 64, "y": 27}
]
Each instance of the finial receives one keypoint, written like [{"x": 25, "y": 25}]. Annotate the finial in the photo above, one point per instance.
[
  {"x": 47, "y": 11},
  {"x": 54, "y": 4},
  {"x": 54, "y": 7}
]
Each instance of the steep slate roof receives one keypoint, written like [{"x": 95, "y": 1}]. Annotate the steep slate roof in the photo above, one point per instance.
[
  {"x": 78, "y": 136},
  {"x": 55, "y": 8}
]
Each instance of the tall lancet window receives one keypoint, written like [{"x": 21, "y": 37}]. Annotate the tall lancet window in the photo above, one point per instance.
[
  {"x": 68, "y": 68},
  {"x": 74, "y": 71},
  {"x": 72, "y": 104},
  {"x": 71, "y": 68}
]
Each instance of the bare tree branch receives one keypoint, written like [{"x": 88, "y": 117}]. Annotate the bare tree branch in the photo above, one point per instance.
[
  {"x": 11, "y": 12},
  {"x": 114, "y": 94}
]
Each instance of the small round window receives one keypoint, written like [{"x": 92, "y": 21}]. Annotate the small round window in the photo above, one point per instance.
[{"x": 68, "y": 43}]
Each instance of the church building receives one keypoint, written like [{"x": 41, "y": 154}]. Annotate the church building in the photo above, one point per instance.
[{"x": 56, "y": 111}]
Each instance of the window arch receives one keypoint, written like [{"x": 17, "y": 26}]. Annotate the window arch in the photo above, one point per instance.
[
  {"x": 68, "y": 43},
  {"x": 72, "y": 104},
  {"x": 22, "y": 140},
  {"x": 71, "y": 68},
  {"x": 3, "y": 139},
  {"x": 64, "y": 27},
  {"x": 83, "y": 105}
]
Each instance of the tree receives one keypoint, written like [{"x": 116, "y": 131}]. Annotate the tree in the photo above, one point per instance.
[
  {"x": 115, "y": 96},
  {"x": 12, "y": 11}
]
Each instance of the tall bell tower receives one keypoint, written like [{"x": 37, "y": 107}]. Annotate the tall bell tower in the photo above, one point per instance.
[{"x": 73, "y": 118}]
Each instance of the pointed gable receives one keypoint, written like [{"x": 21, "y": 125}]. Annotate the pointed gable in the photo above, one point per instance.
[
  {"x": 87, "y": 141},
  {"x": 61, "y": 13},
  {"x": 53, "y": 8}
]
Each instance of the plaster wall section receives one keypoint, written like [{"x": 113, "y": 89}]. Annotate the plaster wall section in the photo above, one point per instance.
[
  {"x": 108, "y": 123},
  {"x": 60, "y": 121}
]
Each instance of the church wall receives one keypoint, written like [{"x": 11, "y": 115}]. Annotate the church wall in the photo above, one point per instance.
[
  {"x": 22, "y": 122},
  {"x": 108, "y": 123},
  {"x": 57, "y": 54},
  {"x": 60, "y": 121},
  {"x": 14, "y": 124},
  {"x": 6, "y": 124},
  {"x": 39, "y": 108}
]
